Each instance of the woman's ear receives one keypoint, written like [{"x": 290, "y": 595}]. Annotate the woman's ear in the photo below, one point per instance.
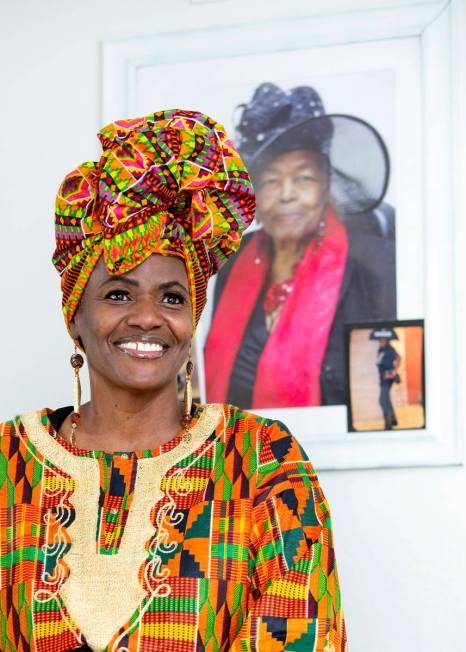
[
  {"x": 74, "y": 329},
  {"x": 75, "y": 333}
]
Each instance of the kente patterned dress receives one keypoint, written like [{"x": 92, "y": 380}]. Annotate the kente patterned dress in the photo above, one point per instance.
[{"x": 218, "y": 540}]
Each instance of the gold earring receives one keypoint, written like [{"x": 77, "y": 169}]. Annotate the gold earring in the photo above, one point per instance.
[
  {"x": 77, "y": 361},
  {"x": 188, "y": 392}
]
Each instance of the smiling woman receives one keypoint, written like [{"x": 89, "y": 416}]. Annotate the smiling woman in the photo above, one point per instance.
[
  {"x": 133, "y": 522},
  {"x": 136, "y": 332}
]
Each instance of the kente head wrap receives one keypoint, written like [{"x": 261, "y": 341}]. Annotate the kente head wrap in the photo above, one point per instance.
[{"x": 170, "y": 183}]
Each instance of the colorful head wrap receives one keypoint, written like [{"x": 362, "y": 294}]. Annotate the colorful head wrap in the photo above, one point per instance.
[{"x": 170, "y": 183}]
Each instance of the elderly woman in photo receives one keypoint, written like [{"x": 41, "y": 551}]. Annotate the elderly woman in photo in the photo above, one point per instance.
[
  {"x": 323, "y": 255},
  {"x": 134, "y": 522}
]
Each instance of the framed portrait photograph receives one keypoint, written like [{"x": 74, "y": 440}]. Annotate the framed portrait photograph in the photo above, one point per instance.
[
  {"x": 334, "y": 126},
  {"x": 322, "y": 250},
  {"x": 386, "y": 376}
]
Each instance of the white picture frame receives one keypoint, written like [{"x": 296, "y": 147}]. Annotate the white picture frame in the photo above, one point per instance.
[{"x": 426, "y": 38}]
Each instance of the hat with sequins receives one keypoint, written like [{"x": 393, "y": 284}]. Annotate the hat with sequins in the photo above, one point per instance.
[
  {"x": 170, "y": 183},
  {"x": 383, "y": 333},
  {"x": 275, "y": 121}
]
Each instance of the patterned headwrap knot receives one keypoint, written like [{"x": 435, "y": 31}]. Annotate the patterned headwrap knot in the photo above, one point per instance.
[{"x": 170, "y": 183}]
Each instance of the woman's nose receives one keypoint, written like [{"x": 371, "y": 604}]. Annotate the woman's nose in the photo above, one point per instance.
[
  {"x": 146, "y": 313},
  {"x": 287, "y": 190}
]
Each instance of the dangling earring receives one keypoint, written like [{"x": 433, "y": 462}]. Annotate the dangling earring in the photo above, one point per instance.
[
  {"x": 322, "y": 227},
  {"x": 77, "y": 361},
  {"x": 188, "y": 392}
]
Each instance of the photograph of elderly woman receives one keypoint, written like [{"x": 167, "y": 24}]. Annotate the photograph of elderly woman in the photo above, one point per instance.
[
  {"x": 320, "y": 254},
  {"x": 386, "y": 370}
]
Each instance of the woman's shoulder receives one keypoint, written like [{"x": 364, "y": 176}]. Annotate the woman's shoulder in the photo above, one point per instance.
[
  {"x": 10, "y": 439},
  {"x": 270, "y": 456},
  {"x": 270, "y": 437},
  {"x": 12, "y": 427},
  {"x": 239, "y": 418},
  {"x": 8, "y": 428}
]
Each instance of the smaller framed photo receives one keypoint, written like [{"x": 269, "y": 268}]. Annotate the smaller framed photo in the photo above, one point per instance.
[{"x": 386, "y": 376}]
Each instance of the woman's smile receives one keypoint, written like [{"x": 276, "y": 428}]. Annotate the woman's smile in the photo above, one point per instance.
[
  {"x": 142, "y": 348},
  {"x": 289, "y": 217}
]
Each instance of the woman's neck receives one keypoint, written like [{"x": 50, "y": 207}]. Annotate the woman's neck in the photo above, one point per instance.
[
  {"x": 118, "y": 420},
  {"x": 286, "y": 255}
]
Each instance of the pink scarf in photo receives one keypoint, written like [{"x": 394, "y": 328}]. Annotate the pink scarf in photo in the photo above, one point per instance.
[{"x": 288, "y": 372}]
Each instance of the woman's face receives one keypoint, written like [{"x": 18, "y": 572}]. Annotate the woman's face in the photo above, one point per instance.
[
  {"x": 292, "y": 194},
  {"x": 136, "y": 328}
]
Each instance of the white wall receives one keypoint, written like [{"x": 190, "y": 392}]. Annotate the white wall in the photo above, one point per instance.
[{"x": 400, "y": 534}]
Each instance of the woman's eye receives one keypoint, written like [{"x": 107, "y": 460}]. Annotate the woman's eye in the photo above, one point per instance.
[
  {"x": 270, "y": 181},
  {"x": 173, "y": 298},
  {"x": 117, "y": 295}
]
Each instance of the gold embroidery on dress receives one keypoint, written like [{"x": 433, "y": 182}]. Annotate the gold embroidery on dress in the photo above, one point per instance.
[
  {"x": 102, "y": 592},
  {"x": 54, "y": 582}
]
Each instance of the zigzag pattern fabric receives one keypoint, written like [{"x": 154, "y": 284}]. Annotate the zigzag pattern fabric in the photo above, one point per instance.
[
  {"x": 170, "y": 183},
  {"x": 229, "y": 547}
]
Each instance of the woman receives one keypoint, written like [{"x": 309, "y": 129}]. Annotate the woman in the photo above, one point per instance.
[
  {"x": 285, "y": 297},
  {"x": 132, "y": 523},
  {"x": 388, "y": 364}
]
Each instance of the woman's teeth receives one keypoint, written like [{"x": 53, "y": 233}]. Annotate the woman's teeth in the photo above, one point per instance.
[
  {"x": 140, "y": 346},
  {"x": 145, "y": 350}
]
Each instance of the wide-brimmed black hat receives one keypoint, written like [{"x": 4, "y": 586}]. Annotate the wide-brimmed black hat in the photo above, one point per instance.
[
  {"x": 274, "y": 122},
  {"x": 383, "y": 334}
]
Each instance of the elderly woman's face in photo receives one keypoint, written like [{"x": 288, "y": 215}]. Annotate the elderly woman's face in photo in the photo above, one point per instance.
[
  {"x": 292, "y": 194},
  {"x": 136, "y": 328}
]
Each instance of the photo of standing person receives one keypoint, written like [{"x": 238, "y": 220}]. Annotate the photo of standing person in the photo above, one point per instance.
[
  {"x": 322, "y": 254},
  {"x": 388, "y": 363},
  {"x": 386, "y": 376}
]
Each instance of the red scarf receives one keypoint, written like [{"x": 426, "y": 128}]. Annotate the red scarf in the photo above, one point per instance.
[{"x": 288, "y": 372}]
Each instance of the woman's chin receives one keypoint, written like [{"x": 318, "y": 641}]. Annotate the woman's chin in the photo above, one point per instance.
[
  {"x": 285, "y": 233},
  {"x": 141, "y": 378},
  {"x": 142, "y": 385}
]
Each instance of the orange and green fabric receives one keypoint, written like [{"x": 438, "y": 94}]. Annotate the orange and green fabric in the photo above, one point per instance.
[
  {"x": 170, "y": 183},
  {"x": 219, "y": 540}
]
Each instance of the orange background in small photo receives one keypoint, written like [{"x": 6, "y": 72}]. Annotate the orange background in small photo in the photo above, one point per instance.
[{"x": 407, "y": 396}]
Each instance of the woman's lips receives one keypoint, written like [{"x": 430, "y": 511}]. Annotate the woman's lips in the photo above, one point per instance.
[
  {"x": 289, "y": 217},
  {"x": 144, "y": 350}
]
